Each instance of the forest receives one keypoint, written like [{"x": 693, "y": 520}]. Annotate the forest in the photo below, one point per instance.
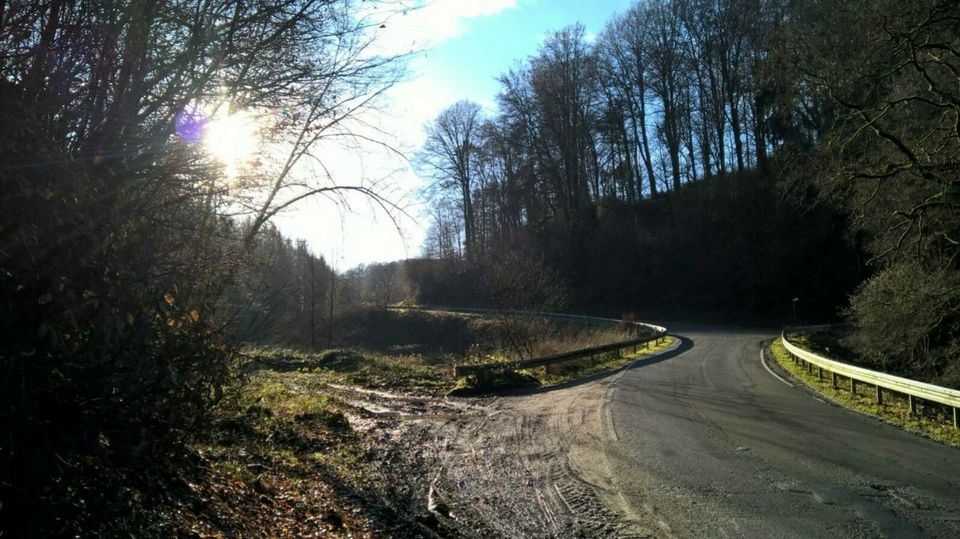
[{"x": 746, "y": 161}]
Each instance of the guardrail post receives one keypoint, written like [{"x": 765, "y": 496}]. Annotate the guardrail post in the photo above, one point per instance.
[{"x": 916, "y": 392}]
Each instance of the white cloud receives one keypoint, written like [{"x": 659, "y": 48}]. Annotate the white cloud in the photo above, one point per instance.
[
  {"x": 415, "y": 103},
  {"x": 430, "y": 22}
]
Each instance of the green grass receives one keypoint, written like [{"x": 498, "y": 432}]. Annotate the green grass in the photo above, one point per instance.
[
  {"x": 279, "y": 454},
  {"x": 418, "y": 373},
  {"x": 934, "y": 421},
  {"x": 284, "y": 423},
  {"x": 420, "y": 369},
  {"x": 236, "y": 470},
  {"x": 285, "y": 395},
  {"x": 400, "y": 372},
  {"x": 270, "y": 425}
]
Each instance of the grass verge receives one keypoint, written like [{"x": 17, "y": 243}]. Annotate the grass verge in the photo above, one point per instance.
[
  {"x": 581, "y": 368},
  {"x": 281, "y": 459},
  {"x": 558, "y": 374},
  {"x": 279, "y": 456},
  {"x": 407, "y": 372},
  {"x": 933, "y": 421}
]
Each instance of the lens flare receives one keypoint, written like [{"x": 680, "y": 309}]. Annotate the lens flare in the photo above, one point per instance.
[{"x": 233, "y": 139}]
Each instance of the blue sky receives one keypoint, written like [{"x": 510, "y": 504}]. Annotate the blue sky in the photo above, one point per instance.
[
  {"x": 465, "y": 45},
  {"x": 490, "y": 45}
]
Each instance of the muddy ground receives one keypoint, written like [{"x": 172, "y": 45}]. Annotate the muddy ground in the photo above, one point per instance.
[{"x": 517, "y": 465}]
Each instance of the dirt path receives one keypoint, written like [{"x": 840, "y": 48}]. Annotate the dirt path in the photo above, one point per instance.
[
  {"x": 531, "y": 465},
  {"x": 695, "y": 441}
]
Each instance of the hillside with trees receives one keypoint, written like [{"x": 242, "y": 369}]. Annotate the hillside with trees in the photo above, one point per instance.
[
  {"x": 761, "y": 161},
  {"x": 774, "y": 161}
]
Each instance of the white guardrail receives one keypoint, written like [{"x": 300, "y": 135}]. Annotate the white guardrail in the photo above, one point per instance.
[
  {"x": 658, "y": 333},
  {"x": 911, "y": 388},
  {"x": 545, "y": 314}
]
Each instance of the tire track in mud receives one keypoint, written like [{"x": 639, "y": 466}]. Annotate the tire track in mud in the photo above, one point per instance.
[
  {"x": 699, "y": 448},
  {"x": 527, "y": 466},
  {"x": 532, "y": 465}
]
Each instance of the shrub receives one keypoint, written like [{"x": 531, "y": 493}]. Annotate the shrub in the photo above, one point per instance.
[{"x": 907, "y": 319}]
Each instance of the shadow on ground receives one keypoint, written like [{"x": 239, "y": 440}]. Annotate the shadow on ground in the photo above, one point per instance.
[{"x": 682, "y": 345}]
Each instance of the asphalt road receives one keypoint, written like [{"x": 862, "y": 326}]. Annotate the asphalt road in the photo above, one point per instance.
[{"x": 704, "y": 442}]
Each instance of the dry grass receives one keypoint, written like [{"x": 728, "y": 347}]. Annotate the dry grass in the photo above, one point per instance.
[
  {"x": 279, "y": 455},
  {"x": 566, "y": 337},
  {"x": 407, "y": 372},
  {"x": 417, "y": 351}
]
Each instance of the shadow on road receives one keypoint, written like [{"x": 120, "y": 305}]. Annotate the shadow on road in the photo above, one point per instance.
[{"x": 682, "y": 346}]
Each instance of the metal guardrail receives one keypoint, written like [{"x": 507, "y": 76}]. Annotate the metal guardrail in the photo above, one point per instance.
[
  {"x": 911, "y": 388},
  {"x": 546, "y": 314},
  {"x": 465, "y": 370},
  {"x": 659, "y": 332}
]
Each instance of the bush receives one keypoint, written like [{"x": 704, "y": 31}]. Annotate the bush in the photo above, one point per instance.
[
  {"x": 907, "y": 320},
  {"x": 108, "y": 354}
]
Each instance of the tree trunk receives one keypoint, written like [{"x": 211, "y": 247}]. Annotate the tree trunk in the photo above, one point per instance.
[{"x": 736, "y": 128}]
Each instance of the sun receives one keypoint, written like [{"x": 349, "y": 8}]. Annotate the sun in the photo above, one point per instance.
[{"x": 233, "y": 139}]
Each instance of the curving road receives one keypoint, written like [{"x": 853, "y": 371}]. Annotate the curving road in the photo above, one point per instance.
[
  {"x": 706, "y": 442},
  {"x": 698, "y": 441}
]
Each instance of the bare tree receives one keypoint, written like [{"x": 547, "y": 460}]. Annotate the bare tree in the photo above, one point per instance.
[
  {"x": 622, "y": 49},
  {"x": 382, "y": 283},
  {"x": 115, "y": 242},
  {"x": 448, "y": 155},
  {"x": 445, "y": 236},
  {"x": 563, "y": 80}
]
